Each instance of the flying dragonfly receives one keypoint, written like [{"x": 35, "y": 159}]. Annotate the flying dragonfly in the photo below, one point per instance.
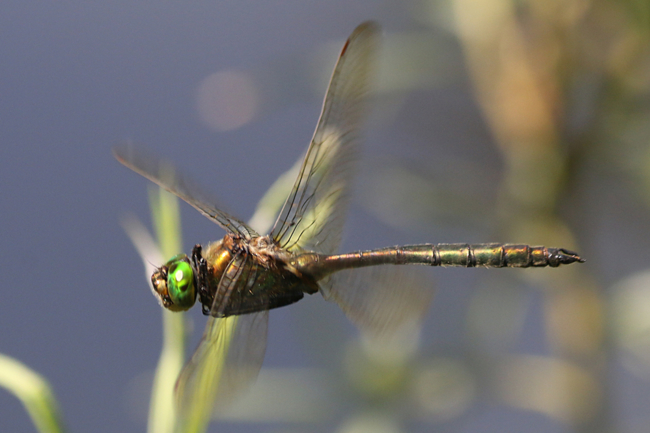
[{"x": 245, "y": 274}]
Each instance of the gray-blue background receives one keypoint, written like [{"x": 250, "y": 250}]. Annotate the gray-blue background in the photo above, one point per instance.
[{"x": 78, "y": 77}]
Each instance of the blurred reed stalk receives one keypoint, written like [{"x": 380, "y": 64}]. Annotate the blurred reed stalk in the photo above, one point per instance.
[{"x": 527, "y": 60}]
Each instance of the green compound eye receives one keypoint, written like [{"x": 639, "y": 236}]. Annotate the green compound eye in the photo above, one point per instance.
[{"x": 180, "y": 284}]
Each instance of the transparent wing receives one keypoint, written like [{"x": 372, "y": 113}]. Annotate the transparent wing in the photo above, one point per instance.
[
  {"x": 381, "y": 300},
  {"x": 313, "y": 214},
  {"x": 225, "y": 363},
  {"x": 229, "y": 355},
  {"x": 163, "y": 174}
]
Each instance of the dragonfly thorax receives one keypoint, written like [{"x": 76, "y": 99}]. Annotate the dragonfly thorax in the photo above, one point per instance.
[{"x": 241, "y": 275}]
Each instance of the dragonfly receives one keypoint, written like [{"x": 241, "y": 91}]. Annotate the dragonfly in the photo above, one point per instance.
[{"x": 246, "y": 274}]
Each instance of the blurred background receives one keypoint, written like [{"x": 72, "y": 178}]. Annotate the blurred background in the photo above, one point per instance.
[{"x": 493, "y": 120}]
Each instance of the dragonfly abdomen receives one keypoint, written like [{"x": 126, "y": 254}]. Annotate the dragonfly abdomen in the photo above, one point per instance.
[
  {"x": 464, "y": 255},
  {"x": 499, "y": 255}
]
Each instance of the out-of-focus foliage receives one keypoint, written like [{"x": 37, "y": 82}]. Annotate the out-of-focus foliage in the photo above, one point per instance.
[
  {"x": 564, "y": 90},
  {"x": 34, "y": 392}
]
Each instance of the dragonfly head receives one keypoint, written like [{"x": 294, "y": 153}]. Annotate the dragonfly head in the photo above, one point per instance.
[{"x": 174, "y": 284}]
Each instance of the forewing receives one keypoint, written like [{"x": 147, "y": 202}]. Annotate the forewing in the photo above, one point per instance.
[
  {"x": 163, "y": 174},
  {"x": 313, "y": 214},
  {"x": 225, "y": 363}
]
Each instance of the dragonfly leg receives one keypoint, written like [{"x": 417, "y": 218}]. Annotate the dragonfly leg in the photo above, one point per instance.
[{"x": 201, "y": 272}]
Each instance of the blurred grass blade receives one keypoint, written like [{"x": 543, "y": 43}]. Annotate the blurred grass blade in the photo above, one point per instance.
[
  {"x": 198, "y": 387},
  {"x": 166, "y": 220},
  {"x": 162, "y": 413},
  {"x": 34, "y": 392}
]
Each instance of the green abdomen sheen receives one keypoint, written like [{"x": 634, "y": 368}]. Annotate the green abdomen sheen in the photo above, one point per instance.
[
  {"x": 465, "y": 255},
  {"x": 499, "y": 256}
]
